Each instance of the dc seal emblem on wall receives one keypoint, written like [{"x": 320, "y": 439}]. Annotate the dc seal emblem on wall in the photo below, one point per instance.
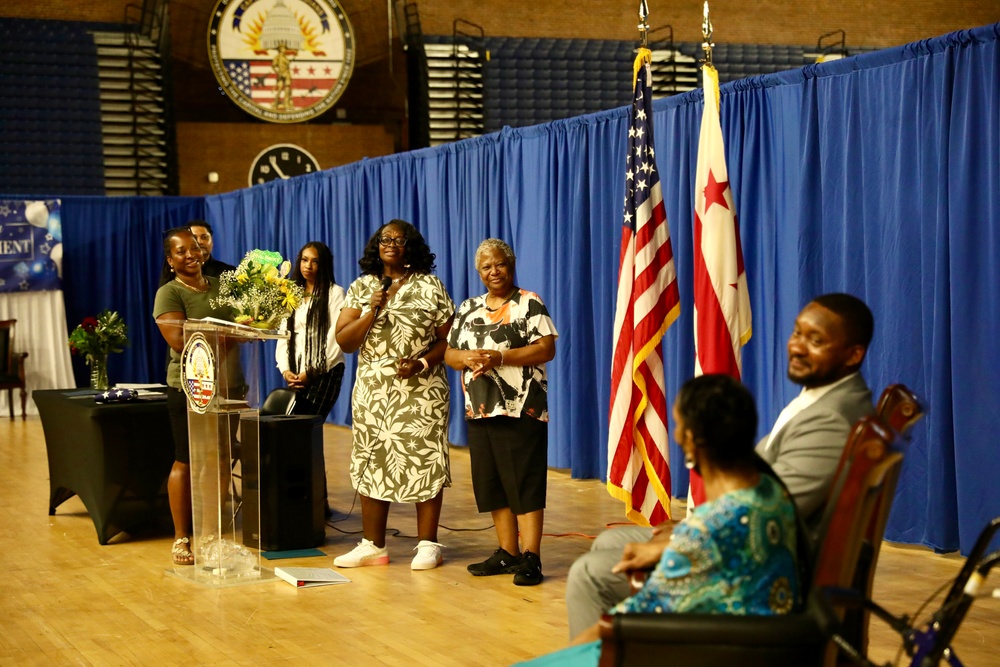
[
  {"x": 284, "y": 61},
  {"x": 198, "y": 373}
]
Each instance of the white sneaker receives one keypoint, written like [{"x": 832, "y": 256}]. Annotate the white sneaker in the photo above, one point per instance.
[
  {"x": 428, "y": 555},
  {"x": 366, "y": 553}
]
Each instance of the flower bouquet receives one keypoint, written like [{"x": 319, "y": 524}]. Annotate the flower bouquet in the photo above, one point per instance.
[
  {"x": 95, "y": 338},
  {"x": 259, "y": 291}
]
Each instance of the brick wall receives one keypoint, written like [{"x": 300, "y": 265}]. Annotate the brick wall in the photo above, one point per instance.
[
  {"x": 229, "y": 149},
  {"x": 100, "y": 11},
  {"x": 866, "y": 22}
]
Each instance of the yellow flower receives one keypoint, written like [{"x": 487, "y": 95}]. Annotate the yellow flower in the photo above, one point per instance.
[{"x": 258, "y": 291}]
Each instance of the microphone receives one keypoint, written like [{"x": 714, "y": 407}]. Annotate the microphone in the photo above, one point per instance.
[{"x": 386, "y": 283}]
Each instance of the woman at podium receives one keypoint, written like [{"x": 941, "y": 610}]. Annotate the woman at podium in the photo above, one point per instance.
[
  {"x": 187, "y": 296},
  {"x": 398, "y": 315}
]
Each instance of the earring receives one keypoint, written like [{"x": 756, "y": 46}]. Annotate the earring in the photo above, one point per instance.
[
  {"x": 171, "y": 269},
  {"x": 689, "y": 462}
]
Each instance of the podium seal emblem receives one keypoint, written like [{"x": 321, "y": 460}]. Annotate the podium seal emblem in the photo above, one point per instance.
[
  {"x": 198, "y": 373},
  {"x": 283, "y": 61}
]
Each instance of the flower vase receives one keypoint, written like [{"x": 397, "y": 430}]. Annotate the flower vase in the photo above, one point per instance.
[{"x": 98, "y": 372}]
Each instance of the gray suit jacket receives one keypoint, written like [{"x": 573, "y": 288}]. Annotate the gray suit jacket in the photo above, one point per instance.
[{"x": 805, "y": 452}]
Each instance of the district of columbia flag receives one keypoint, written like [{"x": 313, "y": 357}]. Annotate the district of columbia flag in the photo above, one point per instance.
[
  {"x": 648, "y": 303},
  {"x": 721, "y": 299}
]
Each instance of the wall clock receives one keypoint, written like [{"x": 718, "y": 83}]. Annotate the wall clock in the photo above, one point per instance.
[{"x": 281, "y": 161}]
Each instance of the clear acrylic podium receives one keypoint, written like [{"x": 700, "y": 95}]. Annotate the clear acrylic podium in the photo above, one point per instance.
[{"x": 219, "y": 375}]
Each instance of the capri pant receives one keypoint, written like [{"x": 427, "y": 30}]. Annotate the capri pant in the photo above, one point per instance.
[
  {"x": 509, "y": 463},
  {"x": 177, "y": 410}
]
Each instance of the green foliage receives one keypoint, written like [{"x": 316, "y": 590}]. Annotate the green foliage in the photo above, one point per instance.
[
  {"x": 258, "y": 291},
  {"x": 99, "y": 336}
]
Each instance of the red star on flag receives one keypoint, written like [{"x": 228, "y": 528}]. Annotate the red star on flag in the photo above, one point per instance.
[{"x": 715, "y": 192}]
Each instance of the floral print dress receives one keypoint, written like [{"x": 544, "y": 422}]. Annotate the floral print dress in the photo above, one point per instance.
[{"x": 400, "y": 427}]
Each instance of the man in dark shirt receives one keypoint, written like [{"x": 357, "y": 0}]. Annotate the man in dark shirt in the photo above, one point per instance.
[{"x": 203, "y": 234}]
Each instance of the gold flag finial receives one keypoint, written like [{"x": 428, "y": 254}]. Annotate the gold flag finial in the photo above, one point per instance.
[
  {"x": 643, "y": 22},
  {"x": 706, "y": 33}
]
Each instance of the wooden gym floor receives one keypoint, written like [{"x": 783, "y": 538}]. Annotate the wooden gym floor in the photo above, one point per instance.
[{"x": 66, "y": 600}]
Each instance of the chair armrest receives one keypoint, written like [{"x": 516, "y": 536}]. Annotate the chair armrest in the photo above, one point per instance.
[
  {"x": 710, "y": 639},
  {"x": 19, "y": 358}
]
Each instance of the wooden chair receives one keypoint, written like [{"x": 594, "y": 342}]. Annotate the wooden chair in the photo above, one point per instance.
[
  {"x": 12, "y": 367},
  {"x": 899, "y": 409},
  {"x": 854, "y": 524}
]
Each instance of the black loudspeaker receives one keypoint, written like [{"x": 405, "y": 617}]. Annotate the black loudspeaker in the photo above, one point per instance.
[{"x": 290, "y": 488}]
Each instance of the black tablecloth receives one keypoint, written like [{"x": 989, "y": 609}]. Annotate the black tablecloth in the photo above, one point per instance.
[{"x": 116, "y": 457}]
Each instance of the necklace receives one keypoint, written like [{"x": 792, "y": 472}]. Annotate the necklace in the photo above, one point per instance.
[
  {"x": 195, "y": 289},
  {"x": 510, "y": 296},
  {"x": 398, "y": 280}
]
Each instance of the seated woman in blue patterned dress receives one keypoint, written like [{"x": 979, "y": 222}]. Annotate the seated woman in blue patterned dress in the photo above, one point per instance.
[{"x": 736, "y": 553}]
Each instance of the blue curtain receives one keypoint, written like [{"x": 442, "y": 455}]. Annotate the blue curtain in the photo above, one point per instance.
[
  {"x": 112, "y": 254},
  {"x": 877, "y": 175}
]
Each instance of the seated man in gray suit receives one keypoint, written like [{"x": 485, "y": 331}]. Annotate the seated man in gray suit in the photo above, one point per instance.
[{"x": 825, "y": 352}]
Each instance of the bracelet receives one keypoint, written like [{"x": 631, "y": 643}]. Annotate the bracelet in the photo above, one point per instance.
[
  {"x": 501, "y": 357},
  {"x": 424, "y": 362}
]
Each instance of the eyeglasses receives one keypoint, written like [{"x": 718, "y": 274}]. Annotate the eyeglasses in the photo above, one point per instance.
[{"x": 387, "y": 241}]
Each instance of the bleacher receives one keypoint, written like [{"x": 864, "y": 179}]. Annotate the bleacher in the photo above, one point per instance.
[
  {"x": 535, "y": 80},
  {"x": 530, "y": 81},
  {"x": 50, "y": 112}
]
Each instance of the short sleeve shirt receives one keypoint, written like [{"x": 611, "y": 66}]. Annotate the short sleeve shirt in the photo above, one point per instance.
[
  {"x": 175, "y": 298},
  {"x": 512, "y": 391}
]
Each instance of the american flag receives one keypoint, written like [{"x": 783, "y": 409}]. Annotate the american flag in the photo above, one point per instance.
[
  {"x": 311, "y": 80},
  {"x": 648, "y": 303},
  {"x": 201, "y": 391},
  {"x": 722, "y": 321}
]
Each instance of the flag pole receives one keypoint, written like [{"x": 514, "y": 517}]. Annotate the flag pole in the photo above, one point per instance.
[
  {"x": 644, "y": 23},
  {"x": 721, "y": 296},
  {"x": 706, "y": 34},
  {"x": 647, "y": 303}
]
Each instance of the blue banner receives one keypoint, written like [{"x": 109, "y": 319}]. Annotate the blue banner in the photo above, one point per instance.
[{"x": 30, "y": 245}]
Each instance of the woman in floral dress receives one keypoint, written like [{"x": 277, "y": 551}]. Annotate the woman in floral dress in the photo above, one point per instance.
[{"x": 397, "y": 314}]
